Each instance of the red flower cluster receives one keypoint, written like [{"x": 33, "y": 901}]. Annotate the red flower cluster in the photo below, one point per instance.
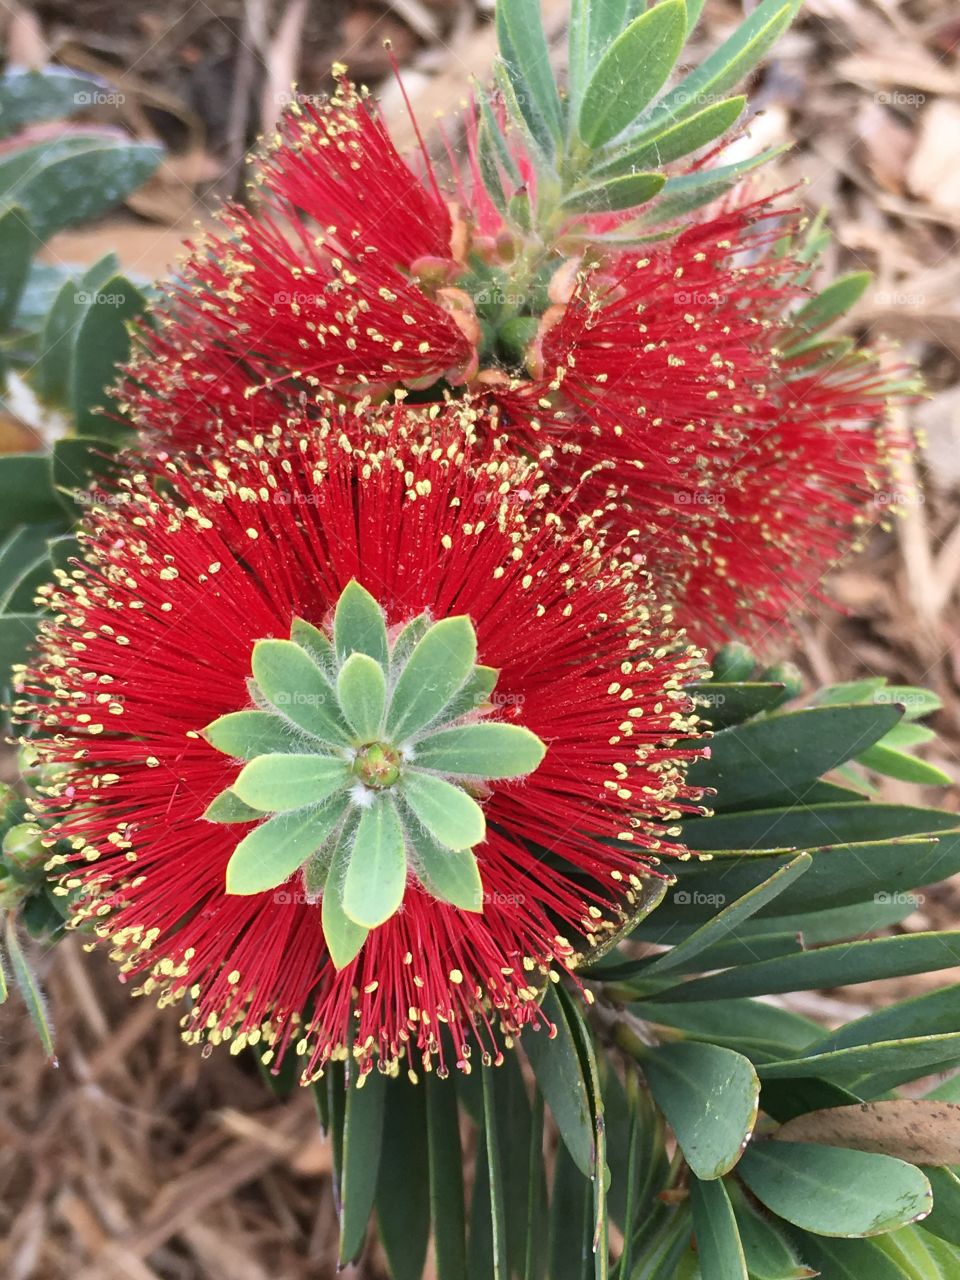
[
  {"x": 660, "y": 367},
  {"x": 151, "y": 642}
]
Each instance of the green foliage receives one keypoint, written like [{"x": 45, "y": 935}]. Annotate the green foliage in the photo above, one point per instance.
[
  {"x": 63, "y": 331},
  {"x": 682, "y": 1038}
]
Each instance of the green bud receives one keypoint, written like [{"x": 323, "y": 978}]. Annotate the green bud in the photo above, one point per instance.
[
  {"x": 786, "y": 673},
  {"x": 732, "y": 663},
  {"x": 22, "y": 847}
]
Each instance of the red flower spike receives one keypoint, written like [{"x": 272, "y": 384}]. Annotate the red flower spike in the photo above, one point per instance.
[
  {"x": 319, "y": 290},
  {"x": 657, "y": 370},
  {"x": 152, "y": 641}
]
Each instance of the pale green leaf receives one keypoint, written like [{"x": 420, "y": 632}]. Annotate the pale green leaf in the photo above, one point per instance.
[
  {"x": 448, "y": 813},
  {"x": 343, "y": 936},
  {"x": 293, "y": 683},
  {"x": 269, "y": 854},
  {"x": 438, "y": 667},
  {"x": 376, "y": 875},
  {"x": 359, "y": 625},
  {"x": 277, "y": 783},
  {"x": 631, "y": 71},
  {"x": 362, "y": 693},
  {"x": 248, "y": 734},
  {"x": 228, "y": 807},
  {"x": 452, "y": 875},
  {"x": 485, "y": 750}
]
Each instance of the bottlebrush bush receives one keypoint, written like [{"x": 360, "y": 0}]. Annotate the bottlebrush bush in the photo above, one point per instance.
[{"x": 373, "y": 726}]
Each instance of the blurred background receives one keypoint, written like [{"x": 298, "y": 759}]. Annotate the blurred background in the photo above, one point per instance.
[{"x": 140, "y": 1159}]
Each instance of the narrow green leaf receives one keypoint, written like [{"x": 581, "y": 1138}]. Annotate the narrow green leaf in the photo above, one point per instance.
[
  {"x": 523, "y": 48},
  {"x": 403, "y": 1210},
  {"x": 316, "y": 642},
  {"x": 569, "y": 1255},
  {"x": 452, "y": 875},
  {"x": 933, "y": 1013},
  {"x": 53, "y": 374},
  {"x": 843, "y": 964},
  {"x": 709, "y": 1096},
  {"x": 27, "y": 495},
  {"x": 343, "y": 936},
  {"x": 446, "y": 1178},
  {"x": 437, "y": 668},
  {"x": 486, "y": 750},
  {"x": 377, "y": 873},
  {"x": 685, "y": 192},
  {"x": 536, "y": 1192},
  {"x": 74, "y": 177},
  {"x": 102, "y": 343},
  {"x": 359, "y": 625},
  {"x": 785, "y": 752},
  {"x": 362, "y": 1138},
  {"x": 474, "y": 694},
  {"x": 498, "y": 1222},
  {"x": 769, "y": 1255},
  {"x": 228, "y": 807},
  {"x": 832, "y": 302},
  {"x": 675, "y": 140},
  {"x": 244, "y": 735},
  {"x": 729, "y": 64},
  {"x": 560, "y": 1078},
  {"x": 718, "y": 1238},
  {"x": 725, "y": 704},
  {"x": 17, "y": 246},
  {"x": 849, "y": 1259},
  {"x": 727, "y": 920},
  {"x": 889, "y": 1063},
  {"x": 624, "y": 191},
  {"x": 278, "y": 783},
  {"x": 269, "y": 854},
  {"x": 884, "y": 759},
  {"x": 806, "y": 826},
  {"x": 293, "y": 683},
  {"x": 451, "y": 816},
  {"x": 944, "y": 1221},
  {"x": 29, "y": 988},
  {"x": 759, "y": 1031},
  {"x": 840, "y": 874},
  {"x": 632, "y": 70},
  {"x": 362, "y": 694},
  {"x": 835, "y": 1192}
]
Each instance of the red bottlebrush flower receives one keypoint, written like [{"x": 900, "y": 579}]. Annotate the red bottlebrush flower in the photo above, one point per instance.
[
  {"x": 656, "y": 368},
  {"x": 750, "y": 473},
  {"x": 341, "y": 280},
  {"x": 321, "y": 535}
]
